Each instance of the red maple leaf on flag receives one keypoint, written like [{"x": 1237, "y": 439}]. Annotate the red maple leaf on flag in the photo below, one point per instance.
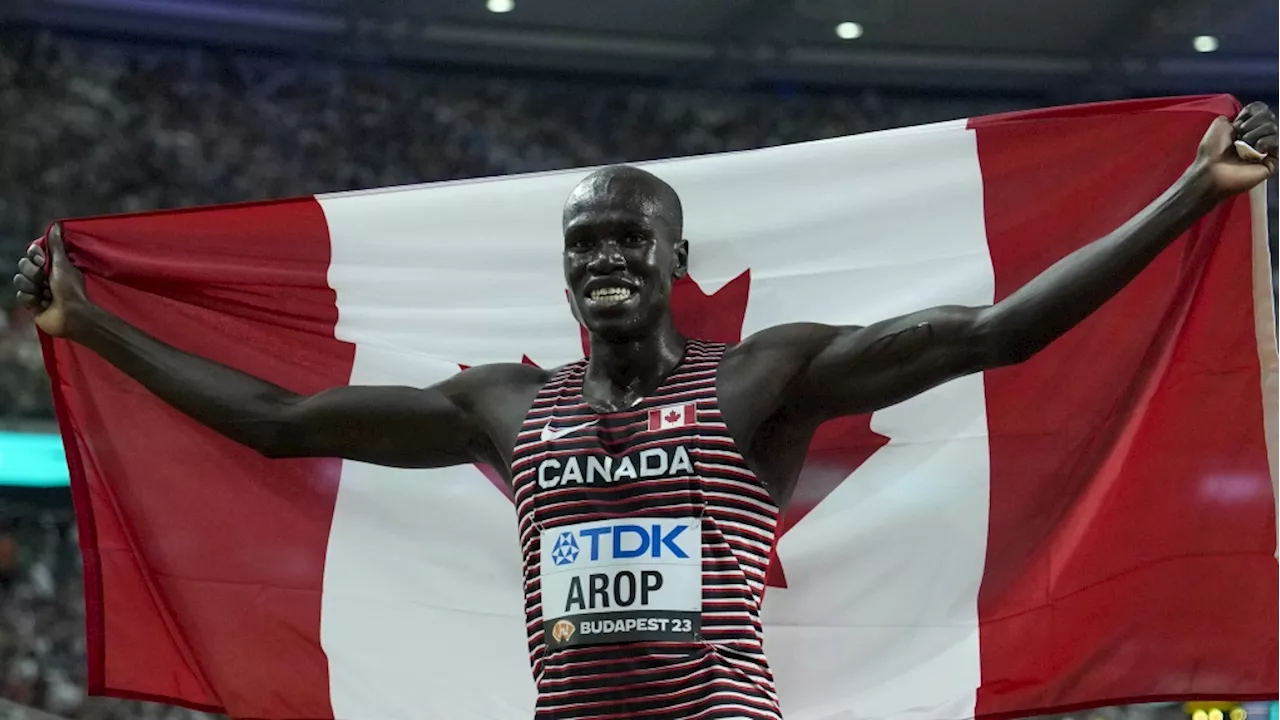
[{"x": 839, "y": 447}]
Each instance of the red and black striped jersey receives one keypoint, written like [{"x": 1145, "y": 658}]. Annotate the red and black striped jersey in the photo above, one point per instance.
[{"x": 613, "y": 493}]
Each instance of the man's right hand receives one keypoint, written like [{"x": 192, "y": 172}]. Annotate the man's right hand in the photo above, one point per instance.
[{"x": 58, "y": 297}]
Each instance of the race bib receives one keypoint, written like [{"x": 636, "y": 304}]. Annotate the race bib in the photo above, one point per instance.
[{"x": 621, "y": 580}]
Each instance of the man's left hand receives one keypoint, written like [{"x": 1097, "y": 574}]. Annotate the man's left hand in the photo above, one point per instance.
[{"x": 1218, "y": 157}]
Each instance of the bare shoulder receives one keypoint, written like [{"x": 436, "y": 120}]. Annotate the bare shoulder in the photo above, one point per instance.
[
  {"x": 800, "y": 337},
  {"x": 756, "y": 376},
  {"x": 771, "y": 353},
  {"x": 498, "y": 396},
  {"x": 507, "y": 376},
  {"x": 478, "y": 388}
]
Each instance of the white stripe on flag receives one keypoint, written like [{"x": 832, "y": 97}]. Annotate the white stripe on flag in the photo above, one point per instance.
[
  {"x": 422, "y": 612},
  {"x": 880, "y": 615},
  {"x": 422, "y": 603},
  {"x": 1264, "y": 325}
]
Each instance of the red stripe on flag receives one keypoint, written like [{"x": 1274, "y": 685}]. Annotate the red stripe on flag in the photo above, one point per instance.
[
  {"x": 1132, "y": 531},
  {"x": 203, "y": 560}
]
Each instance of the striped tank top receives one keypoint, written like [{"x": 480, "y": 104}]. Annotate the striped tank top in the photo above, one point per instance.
[{"x": 628, "y": 614}]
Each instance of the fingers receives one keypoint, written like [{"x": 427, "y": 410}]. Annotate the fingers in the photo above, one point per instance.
[
  {"x": 32, "y": 285},
  {"x": 32, "y": 281},
  {"x": 1255, "y": 122},
  {"x": 28, "y": 300},
  {"x": 41, "y": 249},
  {"x": 26, "y": 285},
  {"x": 34, "y": 302},
  {"x": 1256, "y": 136},
  {"x": 1255, "y": 133},
  {"x": 29, "y": 295},
  {"x": 1249, "y": 111},
  {"x": 35, "y": 253},
  {"x": 28, "y": 270},
  {"x": 1256, "y": 125}
]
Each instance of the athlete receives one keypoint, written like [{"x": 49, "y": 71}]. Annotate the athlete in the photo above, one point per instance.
[{"x": 648, "y": 479}]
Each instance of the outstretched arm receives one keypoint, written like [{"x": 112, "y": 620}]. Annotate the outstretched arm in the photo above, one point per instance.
[
  {"x": 446, "y": 424},
  {"x": 859, "y": 369}
]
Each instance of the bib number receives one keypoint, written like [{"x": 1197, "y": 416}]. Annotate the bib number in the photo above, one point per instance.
[{"x": 624, "y": 580}]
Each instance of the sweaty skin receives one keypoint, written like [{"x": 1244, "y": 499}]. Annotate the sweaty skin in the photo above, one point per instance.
[{"x": 623, "y": 250}]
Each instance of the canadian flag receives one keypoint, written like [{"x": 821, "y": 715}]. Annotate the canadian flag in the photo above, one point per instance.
[
  {"x": 673, "y": 416},
  {"x": 1094, "y": 526}
]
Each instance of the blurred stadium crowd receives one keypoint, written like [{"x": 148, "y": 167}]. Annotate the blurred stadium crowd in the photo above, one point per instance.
[{"x": 90, "y": 127}]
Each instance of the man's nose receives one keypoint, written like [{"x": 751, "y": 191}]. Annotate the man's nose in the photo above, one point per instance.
[{"x": 607, "y": 258}]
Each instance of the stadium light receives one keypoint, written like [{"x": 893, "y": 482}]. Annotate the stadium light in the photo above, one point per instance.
[
  {"x": 500, "y": 6},
  {"x": 848, "y": 30},
  {"x": 1205, "y": 43}
]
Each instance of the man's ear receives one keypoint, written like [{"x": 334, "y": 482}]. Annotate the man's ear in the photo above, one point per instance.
[{"x": 682, "y": 258}]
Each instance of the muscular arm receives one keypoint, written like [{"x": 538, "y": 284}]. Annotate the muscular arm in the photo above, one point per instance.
[
  {"x": 862, "y": 369},
  {"x": 445, "y": 424},
  {"x": 471, "y": 417},
  {"x": 834, "y": 371}
]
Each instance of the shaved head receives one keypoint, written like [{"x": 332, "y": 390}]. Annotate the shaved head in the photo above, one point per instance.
[
  {"x": 625, "y": 186},
  {"x": 623, "y": 252}
]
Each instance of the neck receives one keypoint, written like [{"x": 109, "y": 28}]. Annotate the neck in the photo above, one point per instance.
[{"x": 623, "y": 371}]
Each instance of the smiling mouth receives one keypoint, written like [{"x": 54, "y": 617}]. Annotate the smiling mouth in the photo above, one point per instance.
[{"x": 610, "y": 295}]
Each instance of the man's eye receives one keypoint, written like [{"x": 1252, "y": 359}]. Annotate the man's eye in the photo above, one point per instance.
[{"x": 635, "y": 239}]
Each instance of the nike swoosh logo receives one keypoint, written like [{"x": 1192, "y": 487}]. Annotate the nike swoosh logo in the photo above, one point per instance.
[{"x": 549, "y": 434}]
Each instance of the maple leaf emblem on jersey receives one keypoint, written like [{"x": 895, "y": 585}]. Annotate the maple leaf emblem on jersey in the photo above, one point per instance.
[{"x": 838, "y": 448}]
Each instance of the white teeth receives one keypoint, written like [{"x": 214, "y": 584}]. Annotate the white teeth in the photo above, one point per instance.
[{"x": 612, "y": 294}]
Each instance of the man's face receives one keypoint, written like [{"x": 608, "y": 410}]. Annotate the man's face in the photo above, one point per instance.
[{"x": 621, "y": 256}]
